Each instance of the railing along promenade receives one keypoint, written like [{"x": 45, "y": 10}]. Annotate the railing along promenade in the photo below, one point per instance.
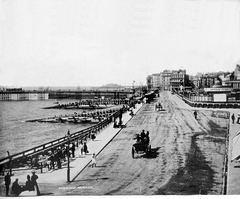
[
  {"x": 206, "y": 104},
  {"x": 21, "y": 158}
]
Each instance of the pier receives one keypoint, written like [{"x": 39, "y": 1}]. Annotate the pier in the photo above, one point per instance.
[
  {"x": 90, "y": 94},
  {"x": 22, "y": 95}
]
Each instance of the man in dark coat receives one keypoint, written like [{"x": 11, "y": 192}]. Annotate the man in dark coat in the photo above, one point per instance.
[
  {"x": 29, "y": 184},
  {"x": 58, "y": 158},
  {"x": 73, "y": 150},
  {"x": 142, "y": 135},
  {"x": 7, "y": 182},
  {"x": 195, "y": 114},
  {"x": 16, "y": 188},
  {"x": 85, "y": 148},
  {"x": 34, "y": 178},
  {"x": 233, "y": 118}
]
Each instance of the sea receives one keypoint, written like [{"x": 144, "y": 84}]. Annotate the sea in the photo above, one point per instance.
[{"x": 17, "y": 135}]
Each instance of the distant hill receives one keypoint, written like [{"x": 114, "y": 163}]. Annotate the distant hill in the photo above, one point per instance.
[{"x": 111, "y": 86}]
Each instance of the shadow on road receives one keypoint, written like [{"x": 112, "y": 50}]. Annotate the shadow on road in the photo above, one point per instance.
[
  {"x": 153, "y": 154},
  {"x": 101, "y": 166},
  {"x": 197, "y": 177}
]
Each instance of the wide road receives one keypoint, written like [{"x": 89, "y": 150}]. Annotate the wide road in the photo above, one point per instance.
[{"x": 187, "y": 155}]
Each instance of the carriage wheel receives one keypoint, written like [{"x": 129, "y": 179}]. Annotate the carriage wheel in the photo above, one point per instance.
[
  {"x": 149, "y": 148},
  {"x": 133, "y": 151},
  {"x": 146, "y": 150}
]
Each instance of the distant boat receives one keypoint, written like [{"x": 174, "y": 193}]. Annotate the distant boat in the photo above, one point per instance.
[
  {"x": 51, "y": 120},
  {"x": 59, "y": 106},
  {"x": 63, "y": 119},
  {"x": 84, "y": 117},
  {"x": 85, "y": 120}
]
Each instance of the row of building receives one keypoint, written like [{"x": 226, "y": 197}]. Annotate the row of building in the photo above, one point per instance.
[
  {"x": 225, "y": 83},
  {"x": 168, "y": 80},
  {"x": 174, "y": 79}
]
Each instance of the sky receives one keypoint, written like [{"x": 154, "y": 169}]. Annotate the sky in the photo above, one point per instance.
[{"x": 96, "y": 42}]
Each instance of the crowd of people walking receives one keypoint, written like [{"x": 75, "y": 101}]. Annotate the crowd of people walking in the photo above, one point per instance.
[{"x": 56, "y": 157}]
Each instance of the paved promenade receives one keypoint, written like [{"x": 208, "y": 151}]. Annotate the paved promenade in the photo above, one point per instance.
[
  {"x": 233, "y": 171},
  {"x": 80, "y": 162}
]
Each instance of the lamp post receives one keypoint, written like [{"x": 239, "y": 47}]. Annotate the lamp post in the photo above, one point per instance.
[
  {"x": 68, "y": 160},
  {"x": 68, "y": 164},
  {"x": 10, "y": 166}
]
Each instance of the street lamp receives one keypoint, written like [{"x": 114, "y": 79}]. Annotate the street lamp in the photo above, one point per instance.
[
  {"x": 68, "y": 154},
  {"x": 10, "y": 166}
]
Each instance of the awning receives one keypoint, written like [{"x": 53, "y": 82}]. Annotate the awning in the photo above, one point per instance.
[{"x": 236, "y": 147}]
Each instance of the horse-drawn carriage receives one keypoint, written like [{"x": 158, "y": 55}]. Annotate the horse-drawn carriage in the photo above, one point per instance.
[{"x": 142, "y": 146}]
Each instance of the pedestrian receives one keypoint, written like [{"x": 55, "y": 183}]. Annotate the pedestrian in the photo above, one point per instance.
[
  {"x": 94, "y": 162},
  {"x": 238, "y": 117},
  {"x": 64, "y": 153},
  {"x": 16, "y": 188},
  {"x": 138, "y": 138},
  {"x": 93, "y": 135},
  {"x": 120, "y": 117},
  {"x": 34, "y": 178},
  {"x": 233, "y": 118},
  {"x": 60, "y": 153},
  {"x": 35, "y": 161},
  {"x": 131, "y": 113},
  {"x": 58, "y": 158},
  {"x": 115, "y": 125},
  {"x": 68, "y": 134},
  {"x": 73, "y": 150},
  {"x": 120, "y": 123},
  {"x": 29, "y": 184},
  {"x": 85, "y": 148},
  {"x": 52, "y": 161},
  {"x": 142, "y": 136},
  {"x": 147, "y": 138},
  {"x": 7, "y": 182},
  {"x": 195, "y": 114},
  {"x": 81, "y": 147}
]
